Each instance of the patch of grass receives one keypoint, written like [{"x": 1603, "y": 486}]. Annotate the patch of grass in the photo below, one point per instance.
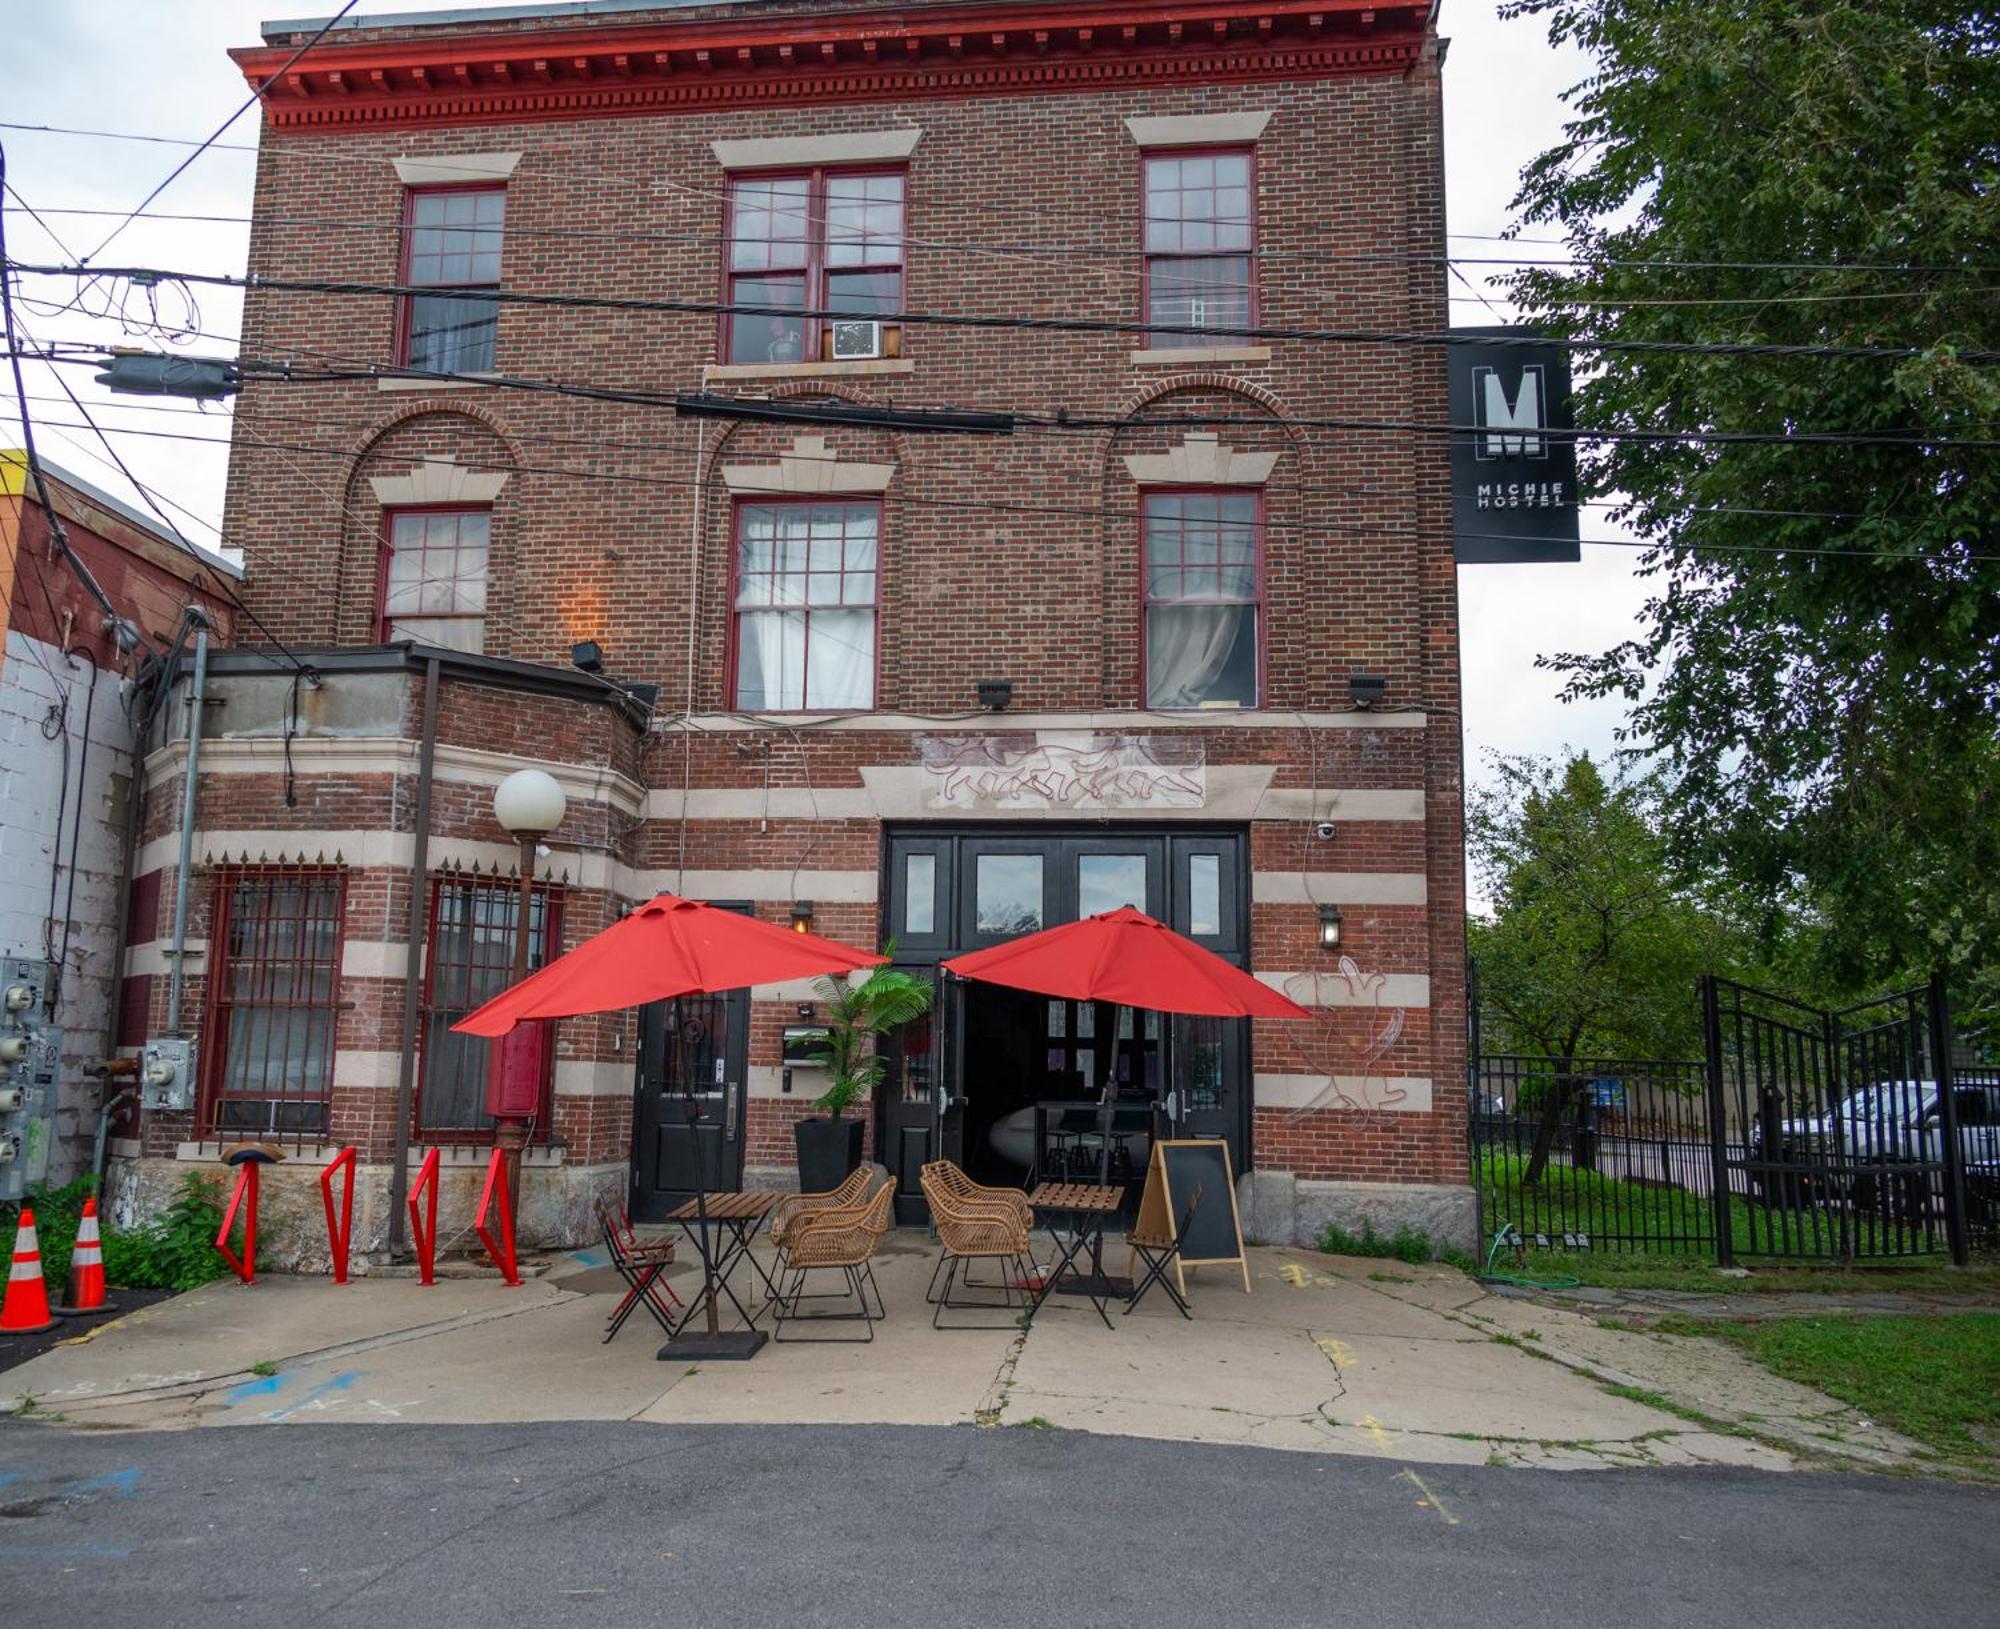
[
  {"x": 1034, "y": 1422},
  {"x": 1389, "y": 1278},
  {"x": 1531, "y": 1334},
  {"x": 1498, "y": 1460},
  {"x": 1933, "y": 1378},
  {"x": 264, "y": 1368},
  {"x": 174, "y": 1251}
]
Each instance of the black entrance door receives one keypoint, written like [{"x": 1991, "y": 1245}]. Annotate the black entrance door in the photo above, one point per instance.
[
  {"x": 951, "y": 890},
  {"x": 691, "y": 1054}
]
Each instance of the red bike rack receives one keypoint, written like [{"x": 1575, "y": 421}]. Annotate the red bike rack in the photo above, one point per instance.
[
  {"x": 341, "y": 1234},
  {"x": 424, "y": 1226},
  {"x": 243, "y": 1198},
  {"x": 503, "y": 1252}
]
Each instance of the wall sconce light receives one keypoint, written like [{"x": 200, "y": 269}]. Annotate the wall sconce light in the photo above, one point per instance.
[
  {"x": 1329, "y": 927},
  {"x": 807, "y": 1011},
  {"x": 995, "y": 694},
  {"x": 802, "y": 916},
  {"x": 1365, "y": 689},
  {"x": 587, "y": 656}
]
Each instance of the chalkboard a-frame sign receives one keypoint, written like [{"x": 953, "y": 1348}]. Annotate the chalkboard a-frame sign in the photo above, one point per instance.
[{"x": 1214, "y": 1233}]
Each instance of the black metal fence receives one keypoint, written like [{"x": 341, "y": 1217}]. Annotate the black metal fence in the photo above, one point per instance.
[
  {"x": 1804, "y": 1134},
  {"x": 1594, "y": 1153}
]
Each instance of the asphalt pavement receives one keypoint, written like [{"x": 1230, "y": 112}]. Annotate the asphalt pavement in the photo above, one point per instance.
[{"x": 719, "y": 1526}]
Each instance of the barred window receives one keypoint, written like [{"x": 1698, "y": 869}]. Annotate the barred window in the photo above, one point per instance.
[
  {"x": 471, "y": 960},
  {"x": 274, "y": 994}
]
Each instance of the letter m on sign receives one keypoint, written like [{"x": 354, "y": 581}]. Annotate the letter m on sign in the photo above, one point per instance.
[{"x": 1509, "y": 429}]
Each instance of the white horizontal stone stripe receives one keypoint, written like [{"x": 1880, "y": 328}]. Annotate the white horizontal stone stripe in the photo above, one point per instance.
[
  {"x": 602, "y": 1077},
  {"x": 842, "y": 147},
  {"x": 1368, "y": 1094},
  {"x": 1324, "y": 987},
  {"x": 1130, "y": 721},
  {"x": 366, "y": 1071},
  {"x": 389, "y": 755},
  {"x": 752, "y": 803},
  {"x": 1338, "y": 888},
  {"x": 1198, "y": 129},
  {"x": 374, "y": 959},
  {"x": 153, "y": 957},
  {"x": 444, "y": 169},
  {"x": 375, "y": 850}
]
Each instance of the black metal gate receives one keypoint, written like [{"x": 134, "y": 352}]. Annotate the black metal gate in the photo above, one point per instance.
[{"x": 1840, "y": 1134}]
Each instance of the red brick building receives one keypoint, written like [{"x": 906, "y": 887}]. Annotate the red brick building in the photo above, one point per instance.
[{"x": 794, "y": 619}]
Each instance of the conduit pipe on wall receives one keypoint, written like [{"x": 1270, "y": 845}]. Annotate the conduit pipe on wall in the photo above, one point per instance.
[
  {"x": 189, "y": 785},
  {"x": 406, "y": 1063}
]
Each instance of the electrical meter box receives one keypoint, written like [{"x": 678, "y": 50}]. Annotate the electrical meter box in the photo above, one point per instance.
[{"x": 166, "y": 1073}]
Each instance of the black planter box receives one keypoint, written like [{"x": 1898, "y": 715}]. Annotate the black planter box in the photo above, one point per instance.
[{"x": 829, "y": 1151}]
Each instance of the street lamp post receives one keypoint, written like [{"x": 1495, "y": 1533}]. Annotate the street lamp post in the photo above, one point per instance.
[{"x": 530, "y": 804}]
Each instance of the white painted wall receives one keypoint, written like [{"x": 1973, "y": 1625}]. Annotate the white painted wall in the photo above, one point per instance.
[{"x": 33, "y": 679}]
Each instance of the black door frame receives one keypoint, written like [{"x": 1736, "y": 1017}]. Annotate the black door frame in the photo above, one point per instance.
[
  {"x": 651, "y": 1084},
  {"x": 906, "y": 1134}
]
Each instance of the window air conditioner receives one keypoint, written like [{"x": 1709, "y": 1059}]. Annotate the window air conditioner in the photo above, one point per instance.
[{"x": 855, "y": 341}]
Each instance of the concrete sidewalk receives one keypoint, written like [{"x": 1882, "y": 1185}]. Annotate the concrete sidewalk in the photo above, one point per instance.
[{"x": 1327, "y": 1355}]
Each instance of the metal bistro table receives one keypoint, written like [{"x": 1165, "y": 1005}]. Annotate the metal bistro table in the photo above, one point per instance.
[
  {"x": 736, "y": 1217},
  {"x": 1083, "y": 1208}
]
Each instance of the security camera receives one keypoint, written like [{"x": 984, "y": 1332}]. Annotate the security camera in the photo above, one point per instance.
[{"x": 1323, "y": 830}]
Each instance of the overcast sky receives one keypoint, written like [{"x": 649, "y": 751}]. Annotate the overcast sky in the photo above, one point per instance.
[{"x": 159, "y": 69}]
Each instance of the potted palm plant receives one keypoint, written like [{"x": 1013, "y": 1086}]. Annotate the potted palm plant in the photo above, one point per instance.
[{"x": 830, "y": 1147}]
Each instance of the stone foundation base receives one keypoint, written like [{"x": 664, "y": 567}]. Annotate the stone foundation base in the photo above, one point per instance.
[
  {"x": 1279, "y": 1208},
  {"x": 556, "y": 1201}
]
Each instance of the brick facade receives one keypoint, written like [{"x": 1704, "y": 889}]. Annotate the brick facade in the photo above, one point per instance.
[{"x": 1013, "y": 556}]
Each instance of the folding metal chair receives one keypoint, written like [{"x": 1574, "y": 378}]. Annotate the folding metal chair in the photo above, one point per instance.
[
  {"x": 1159, "y": 1255},
  {"x": 640, "y": 1264}
]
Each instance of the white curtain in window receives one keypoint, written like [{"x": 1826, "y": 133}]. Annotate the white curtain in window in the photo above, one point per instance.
[
  {"x": 771, "y": 663},
  {"x": 1187, "y": 649},
  {"x": 840, "y": 667}
]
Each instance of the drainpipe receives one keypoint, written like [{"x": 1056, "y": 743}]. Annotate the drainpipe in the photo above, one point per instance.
[
  {"x": 406, "y": 1067},
  {"x": 196, "y": 704}
]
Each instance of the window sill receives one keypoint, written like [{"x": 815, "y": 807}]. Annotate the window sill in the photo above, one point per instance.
[
  {"x": 1179, "y": 356},
  {"x": 723, "y": 372},
  {"x": 384, "y": 382}
]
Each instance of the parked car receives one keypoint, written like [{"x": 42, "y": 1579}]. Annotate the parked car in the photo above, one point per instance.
[{"x": 1852, "y": 1151}]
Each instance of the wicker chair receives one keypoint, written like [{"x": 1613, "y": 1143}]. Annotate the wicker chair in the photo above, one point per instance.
[
  {"x": 788, "y": 1212},
  {"x": 842, "y": 1239},
  {"x": 972, "y": 1230},
  {"x": 970, "y": 1195}
]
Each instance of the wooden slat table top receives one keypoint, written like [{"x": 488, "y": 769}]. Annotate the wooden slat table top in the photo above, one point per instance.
[
  {"x": 1077, "y": 1196},
  {"x": 728, "y": 1207}
]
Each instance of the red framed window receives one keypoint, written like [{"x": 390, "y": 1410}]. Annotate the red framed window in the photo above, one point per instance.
[
  {"x": 815, "y": 240},
  {"x": 451, "y": 244},
  {"x": 469, "y": 960},
  {"x": 433, "y": 577},
  {"x": 273, "y": 999},
  {"x": 806, "y": 586},
  {"x": 1200, "y": 240},
  {"x": 1203, "y": 582}
]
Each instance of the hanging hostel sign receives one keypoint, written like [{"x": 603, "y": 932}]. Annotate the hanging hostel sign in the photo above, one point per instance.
[{"x": 1513, "y": 482}]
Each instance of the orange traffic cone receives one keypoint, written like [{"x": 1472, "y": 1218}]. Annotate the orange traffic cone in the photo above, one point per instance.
[
  {"x": 86, "y": 1270},
  {"x": 26, "y": 1309}
]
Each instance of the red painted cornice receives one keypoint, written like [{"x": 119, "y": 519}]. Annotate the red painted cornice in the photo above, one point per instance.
[{"x": 432, "y": 76}]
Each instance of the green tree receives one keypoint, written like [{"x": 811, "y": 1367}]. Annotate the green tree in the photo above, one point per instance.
[
  {"x": 886, "y": 999},
  {"x": 1592, "y": 948},
  {"x": 1819, "y": 670}
]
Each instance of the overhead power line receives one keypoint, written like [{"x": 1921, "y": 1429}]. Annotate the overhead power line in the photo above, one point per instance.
[
  {"x": 220, "y": 130},
  {"x": 336, "y": 155},
  {"x": 1363, "y": 527},
  {"x": 975, "y": 320}
]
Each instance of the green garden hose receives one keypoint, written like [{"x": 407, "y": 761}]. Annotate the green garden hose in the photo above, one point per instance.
[{"x": 1509, "y": 1237}]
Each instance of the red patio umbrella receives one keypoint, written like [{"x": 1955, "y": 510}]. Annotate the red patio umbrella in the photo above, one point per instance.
[
  {"x": 671, "y": 947},
  {"x": 668, "y": 947},
  {"x": 1125, "y": 958}
]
